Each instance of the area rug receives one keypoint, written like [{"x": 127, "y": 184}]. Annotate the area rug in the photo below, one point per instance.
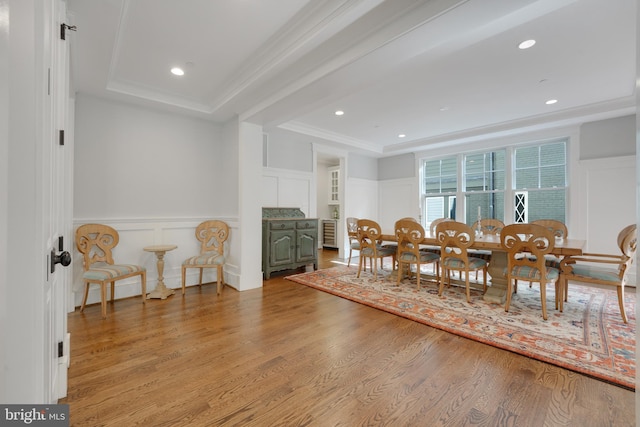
[{"x": 589, "y": 337}]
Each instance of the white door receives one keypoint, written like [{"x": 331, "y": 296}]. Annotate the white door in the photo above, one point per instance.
[
  {"x": 56, "y": 240},
  {"x": 34, "y": 207}
]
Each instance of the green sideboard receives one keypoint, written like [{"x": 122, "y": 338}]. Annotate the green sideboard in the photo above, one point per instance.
[{"x": 289, "y": 240}]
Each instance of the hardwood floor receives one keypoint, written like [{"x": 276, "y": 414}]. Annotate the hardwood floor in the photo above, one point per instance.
[{"x": 289, "y": 355}]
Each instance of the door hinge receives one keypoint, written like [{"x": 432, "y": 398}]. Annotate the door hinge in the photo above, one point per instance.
[
  {"x": 64, "y": 28},
  {"x": 60, "y": 349},
  {"x": 61, "y": 137}
]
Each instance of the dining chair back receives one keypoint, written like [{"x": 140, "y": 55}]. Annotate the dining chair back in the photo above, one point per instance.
[
  {"x": 560, "y": 231},
  {"x": 96, "y": 243},
  {"x": 558, "y": 228},
  {"x": 369, "y": 233},
  {"x": 434, "y": 224},
  {"x": 212, "y": 235},
  {"x": 352, "y": 234},
  {"x": 603, "y": 269},
  {"x": 488, "y": 226},
  {"x": 455, "y": 239},
  {"x": 409, "y": 234},
  {"x": 526, "y": 246}
]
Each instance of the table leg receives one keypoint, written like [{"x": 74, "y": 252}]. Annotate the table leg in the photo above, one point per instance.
[
  {"x": 497, "y": 292},
  {"x": 161, "y": 291}
]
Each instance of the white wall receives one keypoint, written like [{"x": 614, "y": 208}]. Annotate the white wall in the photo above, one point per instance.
[
  {"x": 401, "y": 199},
  {"x": 132, "y": 162}
]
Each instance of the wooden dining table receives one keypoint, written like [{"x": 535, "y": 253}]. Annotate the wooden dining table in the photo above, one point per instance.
[{"x": 497, "y": 291}]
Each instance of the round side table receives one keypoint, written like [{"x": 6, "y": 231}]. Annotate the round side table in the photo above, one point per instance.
[{"x": 161, "y": 291}]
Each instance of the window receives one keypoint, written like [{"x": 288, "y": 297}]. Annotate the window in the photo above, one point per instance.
[
  {"x": 513, "y": 184},
  {"x": 540, "y": 174},
  {"x": 440, "y": 184},
  {"x": 484, "y": 178}
]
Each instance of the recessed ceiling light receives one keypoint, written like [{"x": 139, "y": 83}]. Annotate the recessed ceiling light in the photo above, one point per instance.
[
  {"x": 402, "y": 135},
  {"x": 339, "y": 113},
  {"x": 551, "y": 101},
  {"x": 177, "y": 71},
  {"x": 526, "y": 44}
]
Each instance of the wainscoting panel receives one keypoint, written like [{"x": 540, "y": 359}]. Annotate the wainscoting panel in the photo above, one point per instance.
[
  {"x": 287, "y": 189},
  {"x": 607, "y": 202},
  {"x": 135, "y": 234}
]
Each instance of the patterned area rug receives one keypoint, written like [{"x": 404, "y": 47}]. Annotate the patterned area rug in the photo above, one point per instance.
[{"x": 588, "y": 337}]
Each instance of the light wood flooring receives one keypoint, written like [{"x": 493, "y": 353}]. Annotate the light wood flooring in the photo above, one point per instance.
[{"x": 289, "y": 355}]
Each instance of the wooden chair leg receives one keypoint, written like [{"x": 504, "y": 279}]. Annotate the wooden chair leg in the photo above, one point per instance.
[
  {"x": 442, "y": 276},
  {"x": 484, "y": 280},
  {"x": 184, "y": 276},
  {"x": 219, "y": 280},
  {"x": 621, "y": 303},
  {"x": 86, "y": 294},
  {"x": 103, "y": 299},
  {"x": 543, "y": 297},
  {"x": 360, "y": 260},
  {"x": 143, "y": 280},
  {"x": 466, "y": 283},
  {"x": 200, "y": 280},
  {"x": 509, "y": 291},
  {"x": 113, "y": 291}
]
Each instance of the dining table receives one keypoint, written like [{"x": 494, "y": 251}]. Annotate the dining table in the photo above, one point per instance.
[{"x": 497, "y": 289}]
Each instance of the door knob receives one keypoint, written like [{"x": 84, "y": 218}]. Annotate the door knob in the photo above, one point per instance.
[{"x": 63, "y": 258}]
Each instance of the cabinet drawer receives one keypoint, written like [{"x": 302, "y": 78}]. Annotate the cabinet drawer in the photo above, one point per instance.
[
  {"x": 306, "y": 224},
  {"x": 281, "y": 225}
]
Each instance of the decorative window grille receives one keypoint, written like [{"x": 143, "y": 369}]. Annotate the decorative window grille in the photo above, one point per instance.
[{"x": 521, "y": 211}]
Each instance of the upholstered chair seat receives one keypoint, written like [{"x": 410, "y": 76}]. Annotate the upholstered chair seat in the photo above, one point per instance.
[
  {"x": 207, "y": 258},
  {"x": 102, "y": 271}
]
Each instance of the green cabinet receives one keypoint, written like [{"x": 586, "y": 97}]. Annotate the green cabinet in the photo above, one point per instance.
[{"x": 288, "y": 242}]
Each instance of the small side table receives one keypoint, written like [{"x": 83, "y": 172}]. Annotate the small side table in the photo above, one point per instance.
[{"x": 161, "y": 291}]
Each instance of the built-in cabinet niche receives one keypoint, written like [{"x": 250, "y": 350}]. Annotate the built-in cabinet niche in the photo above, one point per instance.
[{"x": 334, "y": 185}]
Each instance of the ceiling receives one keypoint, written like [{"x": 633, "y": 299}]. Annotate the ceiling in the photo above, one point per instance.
[{"x": 437, "y": 71}]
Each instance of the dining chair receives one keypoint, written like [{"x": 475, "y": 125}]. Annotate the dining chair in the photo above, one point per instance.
[
  {"x": 558, "y": 228},
  {"x": 455, "y": 238},
  {"x": 434, "y": 224},
  {"x": 369, "y": 233},
  {"x": 394, "y": 245},
  {"x": 409, "y": 234},
  {"x": 488, "y": 226},
  {"x": 432, "y": 232},
  {"x": 96, "y": 243},
  {"x": 602, "y": 269},
  {"x": 212, "y": 235},
  {"x": 352, "y": 233},
  {"x": 526, "y": 246},
  {"x": 560, "y": 231}
]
